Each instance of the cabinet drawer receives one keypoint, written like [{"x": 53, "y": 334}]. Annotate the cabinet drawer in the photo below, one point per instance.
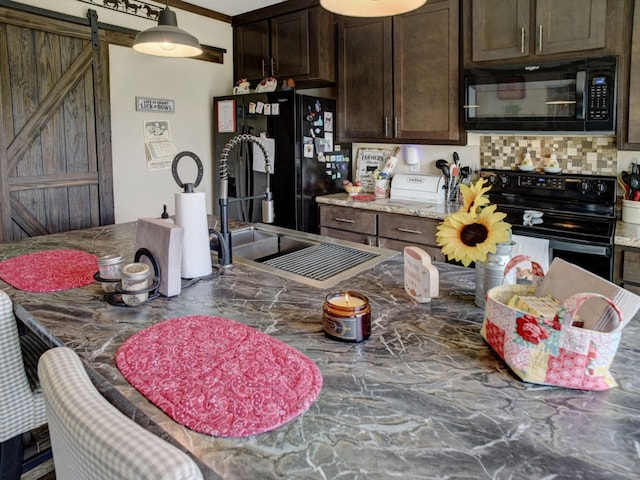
[
  {"x": 416, "y": 230},
  {"x": 631, "y": 267},
  {"x": 349, "y": 219},
  {"x": 347, "y": 235}
]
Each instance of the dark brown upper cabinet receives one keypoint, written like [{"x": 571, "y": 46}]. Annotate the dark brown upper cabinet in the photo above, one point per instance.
[
  {"x": 398, "y": 77},
  {"x": 298, "y": 45},
  {"x": 527, "y": 29},
  {"x": 629, "y": 117}
]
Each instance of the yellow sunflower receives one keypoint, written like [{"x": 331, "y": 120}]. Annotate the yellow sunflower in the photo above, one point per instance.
[
  {"x": 469, "y": 238},
  {"x": 474, "y": 196}
]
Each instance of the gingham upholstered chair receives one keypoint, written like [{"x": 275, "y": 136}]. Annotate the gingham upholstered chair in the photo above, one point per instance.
[
  {"x": 92, "y": 439},
  {"x": 21, "y": 402}
]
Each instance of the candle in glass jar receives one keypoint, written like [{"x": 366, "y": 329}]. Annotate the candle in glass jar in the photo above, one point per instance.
[
  {"x": 347, "y": 316},
  {"x": 346, "y": 301}
]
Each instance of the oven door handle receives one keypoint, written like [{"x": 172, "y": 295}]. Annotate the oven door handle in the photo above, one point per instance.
[
  {"x": 581, "y": 104},
  {"x": 578, "y": 248}
]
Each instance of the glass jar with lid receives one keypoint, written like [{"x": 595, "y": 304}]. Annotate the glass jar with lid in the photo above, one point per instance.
[
  {"x": 110, "y": 269},
  {"x": 135, "y": 277}
]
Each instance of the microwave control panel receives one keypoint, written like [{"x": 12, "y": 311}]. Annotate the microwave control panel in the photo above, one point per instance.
[{"x": 598, "y": 95}]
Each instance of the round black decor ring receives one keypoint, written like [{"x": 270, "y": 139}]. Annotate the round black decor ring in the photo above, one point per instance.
[{"x": 174, "y": 169}]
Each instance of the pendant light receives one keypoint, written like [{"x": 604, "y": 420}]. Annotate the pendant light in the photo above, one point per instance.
[
  {"x": 167, "y": 40},
  {"x": 371, "y": 8}
]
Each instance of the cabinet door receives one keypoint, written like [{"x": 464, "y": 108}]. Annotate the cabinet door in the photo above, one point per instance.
[
  {"x": 500, "y": 29},
  {"x": 290, "y": 44},
  {"x": 251, "y": 50},
  {"x": 365, "y": 107},
  {"x": 426, "y": 73},
  {"x": 570, "y": 25},
  {"x": 633, "y": 124}
]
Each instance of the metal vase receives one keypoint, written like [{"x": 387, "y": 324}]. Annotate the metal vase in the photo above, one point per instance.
[{"x": 490, "y": 273}]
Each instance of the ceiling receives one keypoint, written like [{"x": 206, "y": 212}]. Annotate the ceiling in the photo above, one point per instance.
[{"x": 232, "y": 7}]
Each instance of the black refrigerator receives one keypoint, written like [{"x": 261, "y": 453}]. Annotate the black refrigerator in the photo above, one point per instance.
[{"x": 300, "y": 135}]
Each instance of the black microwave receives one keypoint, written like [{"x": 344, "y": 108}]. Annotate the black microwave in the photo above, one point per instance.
[{"x": 571, "y": 96}]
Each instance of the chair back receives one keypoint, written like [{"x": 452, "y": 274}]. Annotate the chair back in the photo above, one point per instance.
[
  {"x": 20, "y": 409},
  {"x": 92, "y": 439}
]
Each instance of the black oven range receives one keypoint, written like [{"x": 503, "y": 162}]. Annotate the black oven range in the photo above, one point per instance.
[{"x": 578, "y": 213}]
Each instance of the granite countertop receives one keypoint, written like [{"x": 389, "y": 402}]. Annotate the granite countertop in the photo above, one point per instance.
[
  {"x": 627, "y": 234},
  {"x": 424, "y": 397}
]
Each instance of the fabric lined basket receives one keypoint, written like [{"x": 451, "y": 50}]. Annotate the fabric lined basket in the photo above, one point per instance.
[{"x": 550, "y": 351}]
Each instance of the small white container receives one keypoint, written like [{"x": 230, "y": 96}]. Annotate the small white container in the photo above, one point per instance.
[{"x": 630, "y": 211}]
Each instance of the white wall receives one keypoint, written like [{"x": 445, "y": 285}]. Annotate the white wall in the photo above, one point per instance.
[
  {"x": 427, "y": 154},
  {"x": 190, "y": 83}
]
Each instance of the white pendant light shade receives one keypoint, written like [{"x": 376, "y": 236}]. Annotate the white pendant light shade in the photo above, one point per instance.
[
  {"x": 167, "y": 40},
  {"x": 371, "y": 8}
]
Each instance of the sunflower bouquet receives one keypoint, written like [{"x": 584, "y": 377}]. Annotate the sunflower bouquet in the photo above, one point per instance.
[{"x": 475, "y": 230}]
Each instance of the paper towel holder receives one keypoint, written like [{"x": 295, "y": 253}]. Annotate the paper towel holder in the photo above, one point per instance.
[{"x": 187, "y": 187}]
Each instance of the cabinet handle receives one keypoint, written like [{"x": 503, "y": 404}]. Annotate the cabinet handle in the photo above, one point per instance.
[
  {"x": 408, "y": 230},
  {"x": 273, "y": 68},
  {"x": 344, "y": 220},
  {"x": 263, "y": 67},
  {"x": 522, "y": 40},
  {"x": 540, "y": 39},
  {"x": 395, "y": 127},
  {"x": 386, "y": 126}
]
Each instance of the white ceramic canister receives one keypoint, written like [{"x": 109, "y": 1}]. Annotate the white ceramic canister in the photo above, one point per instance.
[{"x": 630, "y": 211}]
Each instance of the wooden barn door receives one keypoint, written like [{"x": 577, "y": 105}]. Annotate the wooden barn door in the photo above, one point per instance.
[{"x": 55, "y": 137}]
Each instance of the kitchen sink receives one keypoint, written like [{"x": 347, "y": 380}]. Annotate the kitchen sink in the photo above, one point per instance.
[{"x": 307, "y": 258}]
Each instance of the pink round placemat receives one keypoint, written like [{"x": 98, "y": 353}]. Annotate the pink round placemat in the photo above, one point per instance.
[
  {"x": 50, "y": 270},
  {"x": 218, "y": 376}
]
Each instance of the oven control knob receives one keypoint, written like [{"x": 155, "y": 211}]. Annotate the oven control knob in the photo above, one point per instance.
[
  {"x": 599, "y": 187},
  {"x": 492, "y": 179},
  {"x": 503, "y": 180},
  {"x": 584, "y": 186}
]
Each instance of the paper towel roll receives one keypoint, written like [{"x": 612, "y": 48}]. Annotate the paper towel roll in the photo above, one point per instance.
[{"x": 191, "y": 215}]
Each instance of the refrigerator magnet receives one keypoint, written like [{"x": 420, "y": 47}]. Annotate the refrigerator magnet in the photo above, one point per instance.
[
  {"x": 328, "y": 141},
  {"x": 308, "y": 150},
  {"x": 328, "y": 121},
  {"x": 227, "y": 116}
]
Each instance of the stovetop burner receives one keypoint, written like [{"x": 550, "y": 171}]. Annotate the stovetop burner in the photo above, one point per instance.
[{"x": 579, "y": 208}]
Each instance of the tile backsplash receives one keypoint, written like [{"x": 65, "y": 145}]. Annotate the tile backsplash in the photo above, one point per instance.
[{"x": 580, "y": 154}]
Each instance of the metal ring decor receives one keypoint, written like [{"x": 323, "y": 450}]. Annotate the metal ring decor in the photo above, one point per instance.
[{"x": 174, "y": 169}]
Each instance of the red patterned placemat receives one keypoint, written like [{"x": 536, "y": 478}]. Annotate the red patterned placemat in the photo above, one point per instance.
[
  {"x": 50, "y": 270},
  {"x": 218, "y": 376}
]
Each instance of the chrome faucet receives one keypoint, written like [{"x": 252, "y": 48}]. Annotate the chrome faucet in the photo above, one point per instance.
[{"x": 221, "y": 242}]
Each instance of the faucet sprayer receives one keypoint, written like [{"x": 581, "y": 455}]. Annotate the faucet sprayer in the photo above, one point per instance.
[{"x": 222, "y": 240}]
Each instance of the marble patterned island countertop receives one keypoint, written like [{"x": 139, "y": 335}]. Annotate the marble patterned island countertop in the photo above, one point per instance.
[
  {"x": 423, "y": 398},
  {"x": 627, "y": 234}
]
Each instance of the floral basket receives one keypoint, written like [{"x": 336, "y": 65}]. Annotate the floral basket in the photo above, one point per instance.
[{"x": 550, "y": 350}]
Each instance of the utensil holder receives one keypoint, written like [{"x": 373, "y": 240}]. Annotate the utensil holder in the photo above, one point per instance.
[{"x": 630, "y": 211}]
